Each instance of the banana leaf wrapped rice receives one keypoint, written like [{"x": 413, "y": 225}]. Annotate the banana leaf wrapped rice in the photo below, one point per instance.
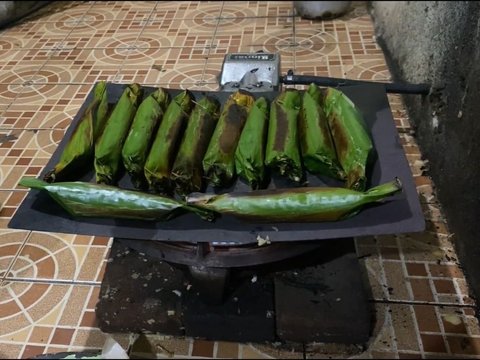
[
  {"x": 316, "y": 143},
  {"x": 165, "y": 145},
  {"x": 78, "y": 152},
  {"x": 219, "y": 160},
  {"x": 352, "y": 141},
  {"x": 108, "y": 148},
  {"x": 82, "y": 199},
  {"x": 139, "y": 138},
  {"x": 282, "y": 151},
  {"x": 187, "y": 171},
  {"x": 308, "y": 204},
  {"x": 250, "y": 152}
]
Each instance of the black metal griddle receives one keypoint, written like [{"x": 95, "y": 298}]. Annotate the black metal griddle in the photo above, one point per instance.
[{"x": 401, "y": 213}]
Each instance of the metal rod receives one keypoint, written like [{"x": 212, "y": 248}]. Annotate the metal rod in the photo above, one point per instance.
[{"x": 397, "y": 88}]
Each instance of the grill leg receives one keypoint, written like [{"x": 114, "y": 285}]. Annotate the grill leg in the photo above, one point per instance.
[{"x": 210, "y": 283}]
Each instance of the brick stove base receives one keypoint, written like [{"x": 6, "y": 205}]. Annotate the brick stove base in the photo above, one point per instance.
[{"x": 317, "y": 297}]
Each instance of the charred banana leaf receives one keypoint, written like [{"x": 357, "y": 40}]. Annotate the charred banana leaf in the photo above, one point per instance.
[
  {"x": 139, "y": 138},
  {"x": 108, "y": 148},
  {"x": 317, "y": 147},
  {"x": 282, "y": 152},
  {"x": 165, "y": 145},
  {"x": 250, "y": 153},
  {"x": 78, "y": 152},
  {"x": 352, "y": 141},
  {"x": 81, "y": 199},
  {"x": 219, "y": 160},
  {"x": 187, "y": 171},
  {"x": 295, "y": 205}
]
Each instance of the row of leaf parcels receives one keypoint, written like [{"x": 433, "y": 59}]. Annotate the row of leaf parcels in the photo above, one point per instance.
[
  {"x": 308, "y": 204},
  {"x": 161, "y": 143},
  {"x": 323, "y": 134}
]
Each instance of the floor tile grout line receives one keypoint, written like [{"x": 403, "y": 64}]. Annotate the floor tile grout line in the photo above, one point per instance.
[
  {"x": 53, "y": 281},
  {"x": 59, "y": 47},
  {"x": 53, "y": 255},
  {"x": 209, "y": 48},
  {"x": 17, "y": 254},
  {"x": 294, "y": 27},
  {"x": 124, "y": 61},
  {"x": 410, "y": 294},
  {"x": 442, "y": 331},
  {"x": 60, "y": 313},
  {"x": 17, "y": 95},
  {"x": 426, "y": 303},
  {"x": 54, "y": 48}
]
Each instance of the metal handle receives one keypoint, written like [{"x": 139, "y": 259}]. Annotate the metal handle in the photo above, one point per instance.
[{"x": 397, "y": 88}]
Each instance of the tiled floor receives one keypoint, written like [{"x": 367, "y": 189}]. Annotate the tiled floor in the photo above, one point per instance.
[{"x": 50, "y": 282}]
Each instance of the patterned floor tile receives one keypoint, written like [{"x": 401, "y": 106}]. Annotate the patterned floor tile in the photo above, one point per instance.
[
  {"x": 36, "y": 148},
  {"x": 120, "y": 10},
  {"x": 23, "y": 73},
  {"x": 396, "y": 274},
  {"x": 11, "y": 242},
  {"x": 33, "y": 316},
  {"x": 40, "y": 99},
  {"x": 76, "y": 66},
  {"x": 166, "y": 73},
  {"x": 10, "y": 351},
  {"x": 60, "y": 11},
  {"x": 175, "y": 33},
  {"x": 34, "y": 35},
  {"x": 257, "y": 30},
  {"x": 239, "y": 9},
  {"x": 51, "y": 256},
  {"x": 10, "y": 201},
  {"x": 18, "y": 117},
  {"x": 164, "y": 65},
  {"x": 200, "y": 12},
  {"x": 95, "y": 33}
]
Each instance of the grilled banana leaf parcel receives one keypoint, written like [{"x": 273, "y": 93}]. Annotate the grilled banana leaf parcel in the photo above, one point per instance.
[
  {"x": 139, "y": 138},
  {"x": 219, "y": 160},
  {"x": 282, "y": 152},
  {"x": 78, "y": 153},
  {"x": 187, "y": 171},
  {"x": 352, "y": 141},
  {"x": 165, "y": 145},
  {"x": 108, "y": 148},
  {"x": 294, "y": 205},
  {"x": 316, "y": 143},
  {"x": 82, "y": 199},
  {"x": 250, "y": 153}
]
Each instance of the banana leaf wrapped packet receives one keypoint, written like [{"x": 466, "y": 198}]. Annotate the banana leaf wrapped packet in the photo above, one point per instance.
[
  {"x": 308, "y": 204},
  {"x": 219, "y": 160},
  {"x": 282, "y": 151},
  {"x": 160, "y": 159},
  {"x": 316, "y": 143},
  {"x": 352, "y": 141},
  {"x": 187, "y": 171},
  {"x": 250, "y": 153},
  {"x": 78, "y": 153},
  {"x": 108, "y": 148},
  {"x": 139, "y": 139},
  {"x": 82, "y": 199}
]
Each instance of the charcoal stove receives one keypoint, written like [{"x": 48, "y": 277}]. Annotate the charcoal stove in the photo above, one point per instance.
[
  {"x": 297, "y": 292},
  {"x": 237, "y": 281}
]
